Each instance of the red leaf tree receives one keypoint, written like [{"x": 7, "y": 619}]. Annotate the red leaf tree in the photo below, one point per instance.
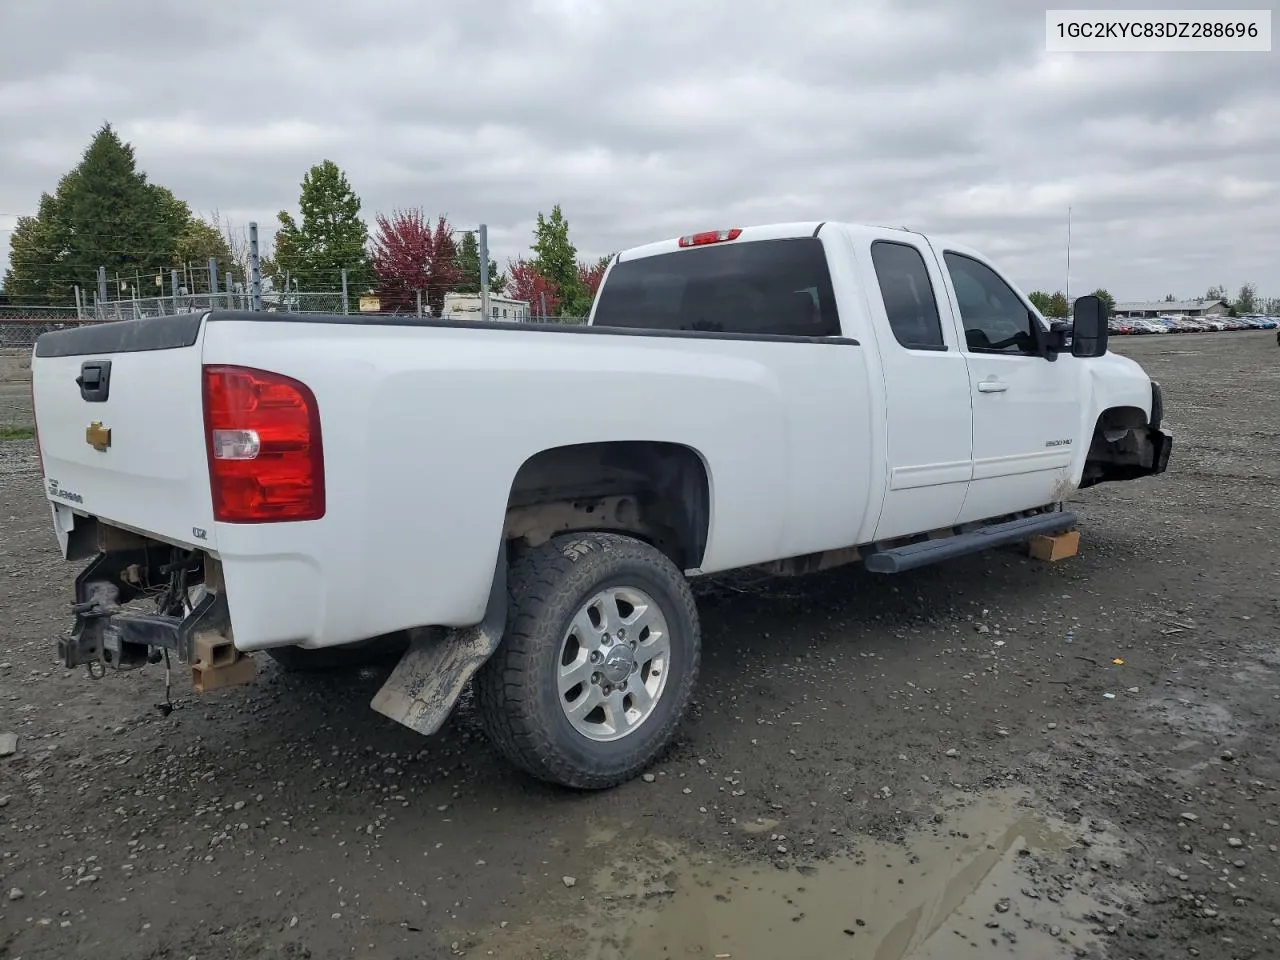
[
  {"x": 526, "y": 283},
  {"x": 589, "y": 276},
  {"x": 410, "y": 255}
]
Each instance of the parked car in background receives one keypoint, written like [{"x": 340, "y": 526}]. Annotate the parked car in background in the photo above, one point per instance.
[
  {"x": 1143, "y": 325},
  {"x": 1181, "y": 323}
]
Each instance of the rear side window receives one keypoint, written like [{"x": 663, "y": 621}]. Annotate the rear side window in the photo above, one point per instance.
[
  {"x": 908, "y": 295},
  {"x": 760, "y": 287}
]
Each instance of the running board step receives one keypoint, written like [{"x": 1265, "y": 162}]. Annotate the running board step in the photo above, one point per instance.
[{"x": 913, "y": 555}]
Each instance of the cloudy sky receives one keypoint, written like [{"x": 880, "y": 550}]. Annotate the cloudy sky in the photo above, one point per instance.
[{"x": 646, "y": 120}]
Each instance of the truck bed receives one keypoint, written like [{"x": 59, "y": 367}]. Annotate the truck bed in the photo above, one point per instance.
[{"x": 427, "y": 425}]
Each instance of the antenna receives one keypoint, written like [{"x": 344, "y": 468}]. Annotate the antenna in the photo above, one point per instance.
[{"x": 1067, "y": 292}]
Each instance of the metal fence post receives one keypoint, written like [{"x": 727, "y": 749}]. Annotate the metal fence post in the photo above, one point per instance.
[
  {"x": 418, "y": 293},
  {"x": 230, "y": 303},
  {"x": 102, "y": 290},
  {"x": 255, "y": 269},
  {"x": 173, "y": 282},
  {"x": 345, "y": 307},
  {"x": 213, "y": 279},
  {"x": 484, "y": 269}
]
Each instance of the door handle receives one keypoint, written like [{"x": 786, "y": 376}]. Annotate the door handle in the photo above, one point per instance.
[{"x": 992, "y": 386}]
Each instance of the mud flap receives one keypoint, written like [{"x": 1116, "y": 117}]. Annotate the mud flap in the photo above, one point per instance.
[{"x": 430, "y": 677}]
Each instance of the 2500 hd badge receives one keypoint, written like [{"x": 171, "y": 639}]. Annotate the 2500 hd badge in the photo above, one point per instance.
[{"x": 61, "y": 494}]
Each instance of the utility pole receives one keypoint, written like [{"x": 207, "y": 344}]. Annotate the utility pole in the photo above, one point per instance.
[
  {"x": 484, "y": 269},
  {"x": 255, "y": 269},
  {"x": 1067, "y": 292}
]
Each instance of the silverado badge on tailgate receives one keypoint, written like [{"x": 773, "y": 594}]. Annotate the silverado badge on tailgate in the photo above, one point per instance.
[{"x": 98, "y": 436}]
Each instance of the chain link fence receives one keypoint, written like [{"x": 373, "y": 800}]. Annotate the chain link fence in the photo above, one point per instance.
[{"x": 20, "y": 326}]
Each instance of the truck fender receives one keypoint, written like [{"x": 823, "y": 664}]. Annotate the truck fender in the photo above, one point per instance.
[{"x": 431, "y": 675}]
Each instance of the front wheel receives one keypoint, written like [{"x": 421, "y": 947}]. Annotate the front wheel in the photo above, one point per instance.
[{"x": 598, "y": 663}]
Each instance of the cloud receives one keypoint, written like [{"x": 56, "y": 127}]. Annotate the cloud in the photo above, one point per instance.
[{"x": 648, "y": 120}]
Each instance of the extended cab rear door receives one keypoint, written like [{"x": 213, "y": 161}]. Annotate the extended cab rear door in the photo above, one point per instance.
[{"x": 926, "y": 382}]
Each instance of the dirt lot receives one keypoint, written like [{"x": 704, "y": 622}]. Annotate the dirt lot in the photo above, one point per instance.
[{"x": 990, "y": 758}]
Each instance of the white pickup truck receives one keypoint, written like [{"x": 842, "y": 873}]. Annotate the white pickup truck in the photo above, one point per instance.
[{"x": 523, "y": 503}]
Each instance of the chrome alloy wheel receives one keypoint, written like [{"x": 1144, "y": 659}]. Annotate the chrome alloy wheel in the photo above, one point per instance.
[{"x": 614, "y": 662}]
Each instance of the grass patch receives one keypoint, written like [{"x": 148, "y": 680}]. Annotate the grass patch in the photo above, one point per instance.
[{"x": 17, "y": 433}]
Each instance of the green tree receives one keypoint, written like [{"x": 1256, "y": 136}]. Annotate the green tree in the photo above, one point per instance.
[
  {"x": 1058, "y": 306},
  {"x": 1107, "y": 299},
  {"x": 469, "y": 264},
  {"x": 1247, "y": 299},
  {"x": 1040, "y": 300},
  {"x": 200, "y": 241},
  {"x": 105, "y": 213},
  {"x": 1217, "y": 293},
  {"x": 331, "y": 236},
  {"x": 37, "y": 274},
  {"x": 1169, "y": 298},
  {"x": 556, "y": 258}
]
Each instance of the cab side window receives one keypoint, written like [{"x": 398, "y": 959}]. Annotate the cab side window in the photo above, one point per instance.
[
  {"x": 995, "y": 319},
  {"x": 908, "y": 295}
]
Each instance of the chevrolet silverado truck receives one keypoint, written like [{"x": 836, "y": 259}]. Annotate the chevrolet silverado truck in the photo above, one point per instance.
[{"x": 521, "y": 506}]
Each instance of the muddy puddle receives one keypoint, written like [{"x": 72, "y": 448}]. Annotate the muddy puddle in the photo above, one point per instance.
[{"x": 992, "y": 879}]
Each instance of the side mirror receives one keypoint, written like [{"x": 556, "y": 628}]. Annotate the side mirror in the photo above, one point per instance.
[{"x": 1089, "y": 327}]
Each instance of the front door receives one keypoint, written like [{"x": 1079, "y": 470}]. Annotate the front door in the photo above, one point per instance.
[
  {"x": 926, "y": 385},
  {"x": 1026, "y": 410}
]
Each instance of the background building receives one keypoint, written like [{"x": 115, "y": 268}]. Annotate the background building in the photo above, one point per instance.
[
  {"x": 1186, "y": 308},
  {"x": 466, "y": 306}
]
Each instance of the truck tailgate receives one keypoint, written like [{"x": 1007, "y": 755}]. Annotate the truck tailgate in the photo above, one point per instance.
[{"x": 120, "y": 419}]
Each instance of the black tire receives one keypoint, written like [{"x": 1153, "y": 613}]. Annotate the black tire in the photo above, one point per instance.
[
  {"x": 516, "y": 690},
  {"x": 348, "y": 656}
]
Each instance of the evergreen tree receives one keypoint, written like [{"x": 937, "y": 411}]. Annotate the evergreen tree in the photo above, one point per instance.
[
  {"x": 469, "y": 265},
  {"x": 104, "y": 212},
  {"x": 331, "y": 236}
]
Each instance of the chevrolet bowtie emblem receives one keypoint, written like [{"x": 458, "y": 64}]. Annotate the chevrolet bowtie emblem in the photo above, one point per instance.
[{"x": 98, "y": 436}]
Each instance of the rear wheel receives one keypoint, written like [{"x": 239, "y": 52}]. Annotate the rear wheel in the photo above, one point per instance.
[{"x": 598, "y": 662}]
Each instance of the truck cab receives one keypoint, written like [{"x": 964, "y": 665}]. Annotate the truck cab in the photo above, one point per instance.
[{"x": 986, "y": 409}]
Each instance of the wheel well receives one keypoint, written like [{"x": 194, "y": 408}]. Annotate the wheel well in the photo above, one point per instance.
[
  {"x": 1120, "y": 418},
  {"x": 659, "y": 492},
  {"x": 1116, "y": 447}
]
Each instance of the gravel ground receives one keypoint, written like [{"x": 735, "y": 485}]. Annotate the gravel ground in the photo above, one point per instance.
[
  {"x": 1020, "y": 759},
  {"x": 15, "y": 405}
]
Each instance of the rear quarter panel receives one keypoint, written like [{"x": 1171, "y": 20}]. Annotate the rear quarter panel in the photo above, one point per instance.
[{"x": 425, "y": 428}]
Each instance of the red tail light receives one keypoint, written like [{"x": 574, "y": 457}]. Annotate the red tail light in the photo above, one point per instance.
[
  {"x": 710, "y": 236},
  {"x": 262, "y": 431}
]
